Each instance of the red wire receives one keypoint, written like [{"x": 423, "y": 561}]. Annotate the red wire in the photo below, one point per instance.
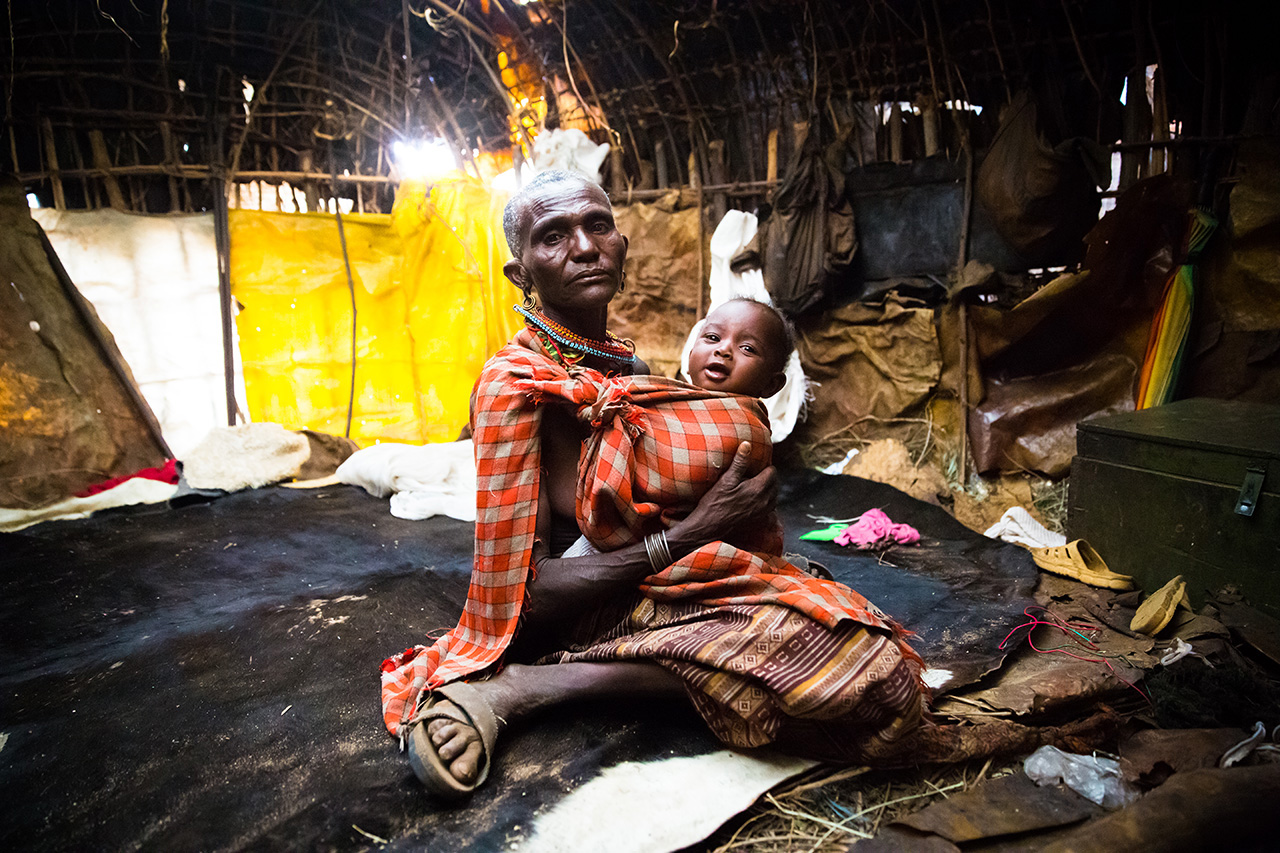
[{"x": 1075, "y": 632}]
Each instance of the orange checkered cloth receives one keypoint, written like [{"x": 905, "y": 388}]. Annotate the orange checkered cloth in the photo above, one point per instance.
[{"x": 656, "y": 446}]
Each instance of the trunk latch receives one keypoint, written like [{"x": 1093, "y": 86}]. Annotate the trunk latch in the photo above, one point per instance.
[{"x": 1251, "y": 489}]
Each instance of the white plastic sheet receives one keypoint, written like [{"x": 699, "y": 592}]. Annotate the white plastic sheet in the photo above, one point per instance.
[
  {"x": 569, "y": 149},
  {"x": 154, "y": 282}
]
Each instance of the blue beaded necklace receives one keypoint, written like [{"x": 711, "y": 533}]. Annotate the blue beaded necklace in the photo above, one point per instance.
[{"x": 561, "y": 339}]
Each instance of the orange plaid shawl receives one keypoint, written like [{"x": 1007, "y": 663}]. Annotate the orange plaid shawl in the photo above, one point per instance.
[{"x": 656, "y": 446}]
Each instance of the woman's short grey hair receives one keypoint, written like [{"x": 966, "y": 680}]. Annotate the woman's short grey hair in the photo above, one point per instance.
[{"x": 513, "y": 214}]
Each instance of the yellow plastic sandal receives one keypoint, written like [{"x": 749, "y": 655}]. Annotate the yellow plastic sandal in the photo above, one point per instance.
[
  {"x": 1079, "y": 560},
  {"x": 1158, "y": 609}
]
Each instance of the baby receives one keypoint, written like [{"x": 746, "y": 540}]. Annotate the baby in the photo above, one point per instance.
[
  {"x": 741, "y": 351},
  {"x": 657, "y": 445},
  {"x": 743, "y": 348}
]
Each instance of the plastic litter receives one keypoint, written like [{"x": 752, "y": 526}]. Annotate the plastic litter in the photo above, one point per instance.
[
  {"x": 838, "y": 467},
  {"x": 1179, "y": 650},
  {"x": 1241, "y": 751},
  {"x": 1093, "y": 777}
]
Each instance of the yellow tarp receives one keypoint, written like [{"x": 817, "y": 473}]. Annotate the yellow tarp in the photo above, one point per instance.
[{"x": 431, "y": 301}]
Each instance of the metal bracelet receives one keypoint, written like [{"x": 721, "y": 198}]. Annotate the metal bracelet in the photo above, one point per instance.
[{"x": 658, "y": 550}]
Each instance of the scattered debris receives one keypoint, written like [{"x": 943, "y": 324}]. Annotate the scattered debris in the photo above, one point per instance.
[
  {"x": 369, "y": 835},
  {"x": 888, "y": 461}
]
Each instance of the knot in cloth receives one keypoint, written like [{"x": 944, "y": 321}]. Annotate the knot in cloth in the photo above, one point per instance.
[{"x": 614, "y": 405}]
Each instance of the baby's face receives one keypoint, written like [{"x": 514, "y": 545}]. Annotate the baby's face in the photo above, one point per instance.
[{"x": 739, "y": 351}]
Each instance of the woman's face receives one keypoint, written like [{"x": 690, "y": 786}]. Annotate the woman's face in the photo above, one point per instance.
[{"x": 573, "y": 253}]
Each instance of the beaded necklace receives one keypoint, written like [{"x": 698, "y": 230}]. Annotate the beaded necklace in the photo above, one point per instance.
[{"x": 572, "y": 347}]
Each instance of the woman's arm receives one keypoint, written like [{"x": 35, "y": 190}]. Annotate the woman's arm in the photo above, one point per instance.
[{"x": 565, "y": 587}]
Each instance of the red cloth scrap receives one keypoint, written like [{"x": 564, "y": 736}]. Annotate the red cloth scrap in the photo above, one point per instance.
[{"x": 166, "y": 473}]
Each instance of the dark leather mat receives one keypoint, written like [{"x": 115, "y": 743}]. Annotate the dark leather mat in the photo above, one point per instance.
[{"x": 205, "y": 677}]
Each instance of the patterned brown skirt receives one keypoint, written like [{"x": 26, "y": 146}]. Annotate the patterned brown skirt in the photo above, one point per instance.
[{"x": 761, "y": 674}]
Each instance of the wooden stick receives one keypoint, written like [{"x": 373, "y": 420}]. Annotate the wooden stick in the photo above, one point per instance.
[
  {"x": 13, "y": 148},
  {"x": 964, "y": 393},
  {"x": 87, "y": 187},
  {"x": 800, "y": 131},
  {"x": 719, "y": 200},
  {"x": 454, "y": 15},
  {"x": 51, "y": 154},
  {"x": 771, "y": 158},
  {"x": 1159, "y": 126},
  {"x": 222, "y": 241},
  {"x": 966, "y": 214},
  {"x": 895, "y": 132},
  {"x": 648, "y": 178},
  {"x": 1137, "y": 127},
  {"x": 962, "y": 257},
  {"x": 617, "y": 176},
  {"x": 408, "y": 87},
  {"x": 193, "y": 172},
  {"x": 695, "y": 181},
  {"x": 102, "y": 162},
  {"x": 995, "y": 46},
  {"x": 171, "y": 162},
  {"x": 1088, "y": 73},
  {"x": 929, "y": 113}
]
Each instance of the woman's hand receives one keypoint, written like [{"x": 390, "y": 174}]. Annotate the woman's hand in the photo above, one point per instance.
[
  {"x": 565, "y": 587},
  {"x": 736, "y": 504}
]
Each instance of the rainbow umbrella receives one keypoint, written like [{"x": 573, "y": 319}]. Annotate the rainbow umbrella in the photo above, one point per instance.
[{"x": 1170, "y": 328}]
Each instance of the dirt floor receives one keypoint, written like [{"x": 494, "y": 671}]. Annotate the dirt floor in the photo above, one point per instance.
[{"x": 832, "y": 808}]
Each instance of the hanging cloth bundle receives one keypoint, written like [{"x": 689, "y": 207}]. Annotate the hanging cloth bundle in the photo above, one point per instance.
[
  {"x": 808, "y": 240},
  {"x": 1042, "y": 199}
]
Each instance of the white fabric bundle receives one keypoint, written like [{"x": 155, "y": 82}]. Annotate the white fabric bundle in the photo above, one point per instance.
[
  {"x": 423, "y": 480},
  {"x": 1017, "y": 526}
]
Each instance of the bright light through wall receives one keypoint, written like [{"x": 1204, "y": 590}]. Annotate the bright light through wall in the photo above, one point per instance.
[
  {"x": 429, "y": 158},
  {"x": 508, "y": 183},
  {"x": 33, "y": 201}
]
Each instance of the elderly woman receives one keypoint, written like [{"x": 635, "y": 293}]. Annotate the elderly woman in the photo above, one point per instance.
[{"x": 765, "y": 653}]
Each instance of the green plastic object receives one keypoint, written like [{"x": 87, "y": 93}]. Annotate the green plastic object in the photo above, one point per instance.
[{"x": 825, "y": 534}]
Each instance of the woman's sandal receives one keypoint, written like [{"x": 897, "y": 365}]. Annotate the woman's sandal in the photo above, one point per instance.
[
  {"x": 1079, "y": 560},
  {"x": 461, "y": 703},
  {"x": 1157, "y": 610}
]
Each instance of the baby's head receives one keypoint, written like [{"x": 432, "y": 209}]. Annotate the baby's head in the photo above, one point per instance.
[{"x": 743, "y": 348}]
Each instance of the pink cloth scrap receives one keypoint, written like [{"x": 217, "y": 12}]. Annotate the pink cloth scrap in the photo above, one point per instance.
[{"x": 875, "y": 529}]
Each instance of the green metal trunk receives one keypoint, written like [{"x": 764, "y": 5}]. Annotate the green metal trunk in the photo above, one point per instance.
[{"x": 1191, "y": 488}]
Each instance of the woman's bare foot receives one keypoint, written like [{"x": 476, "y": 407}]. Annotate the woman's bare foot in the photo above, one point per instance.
[{"x": 458, "y": 744}]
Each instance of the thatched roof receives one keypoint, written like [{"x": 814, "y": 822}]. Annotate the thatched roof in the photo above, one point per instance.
[{"x": 151, "y": 88}]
